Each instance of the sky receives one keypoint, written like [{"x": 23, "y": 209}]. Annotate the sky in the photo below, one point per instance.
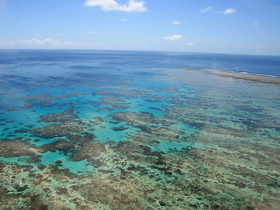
[{"x": 210, "y": 26}]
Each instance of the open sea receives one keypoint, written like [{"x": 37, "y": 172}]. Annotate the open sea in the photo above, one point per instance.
[{"x": 82, "y": 129}]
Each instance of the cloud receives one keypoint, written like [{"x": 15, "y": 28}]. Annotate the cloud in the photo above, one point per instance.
[
  {"x": 206, "y": 9},
  {"x": 124, "y": 19},
  {"x": 36, "y": 43},
  {"x": 173, "y": 37},
  {"x": 228, "y": 11},
  {"x": 41, "y": 42},
  {"x": 92, "y": 32},
  {"x": 176, "y": 22},
  {"x": 112, "y": 5},
  {"x": 190, "y": 43}
]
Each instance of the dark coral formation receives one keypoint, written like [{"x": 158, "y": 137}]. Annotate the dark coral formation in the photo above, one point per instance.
[
  {"x": 60, "y": 117},
  {"x": 134, "y": 93},
  {"x": 161, "y": 132},
  {"x": 135, "y": 118},
  {"x": 148, "y": 123},
  {"x": 113, "y": 102},
  {"x": 13, "y": 148},
  {"x": 60, "y": 145},
  {"x": 45, "y": 99},
  {"x": 110, "y": 100},
  {"x": 90, "y": 151},
  {"x": 58, "y": 130},
  {"x": 61, "y": 124}
]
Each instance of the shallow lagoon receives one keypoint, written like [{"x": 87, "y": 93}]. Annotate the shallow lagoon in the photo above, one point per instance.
[{"x": 106, "y": 130}]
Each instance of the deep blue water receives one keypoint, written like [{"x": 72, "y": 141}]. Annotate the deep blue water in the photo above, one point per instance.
[{"x": 87, "y": 59}]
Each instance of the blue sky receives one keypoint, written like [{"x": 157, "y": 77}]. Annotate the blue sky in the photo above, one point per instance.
[{"x": 214, "y": 26}]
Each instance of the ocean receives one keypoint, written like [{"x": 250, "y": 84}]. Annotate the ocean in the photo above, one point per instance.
[{"x": 101, "y": 129}]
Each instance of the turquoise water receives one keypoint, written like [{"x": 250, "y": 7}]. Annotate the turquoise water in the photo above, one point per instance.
[{"x": 138, "y": 130}]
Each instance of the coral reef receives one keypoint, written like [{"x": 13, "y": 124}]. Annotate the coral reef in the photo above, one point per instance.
[
  {"x": 134, "y": 177},
  {"x": 110, "y": 100},
  {"x": 113, "y": 103},
  {"x": 12, "y": 148},
  {"x": 61, "y": 117},
  {"x": 161, "y": 132},
  {"x": 138, "y": 118},
  {"x": 243, "y": 76},
  {"x": 46, "y": 100},
  {"x": 58, "y": 130},
  {"x": 60, "y": 145},
  {"x": 91, "y": 152},
  {"x": 181, "y": 141},
  {"x": 61, "y": 124},
  {"x": 134, "y": 93}
]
